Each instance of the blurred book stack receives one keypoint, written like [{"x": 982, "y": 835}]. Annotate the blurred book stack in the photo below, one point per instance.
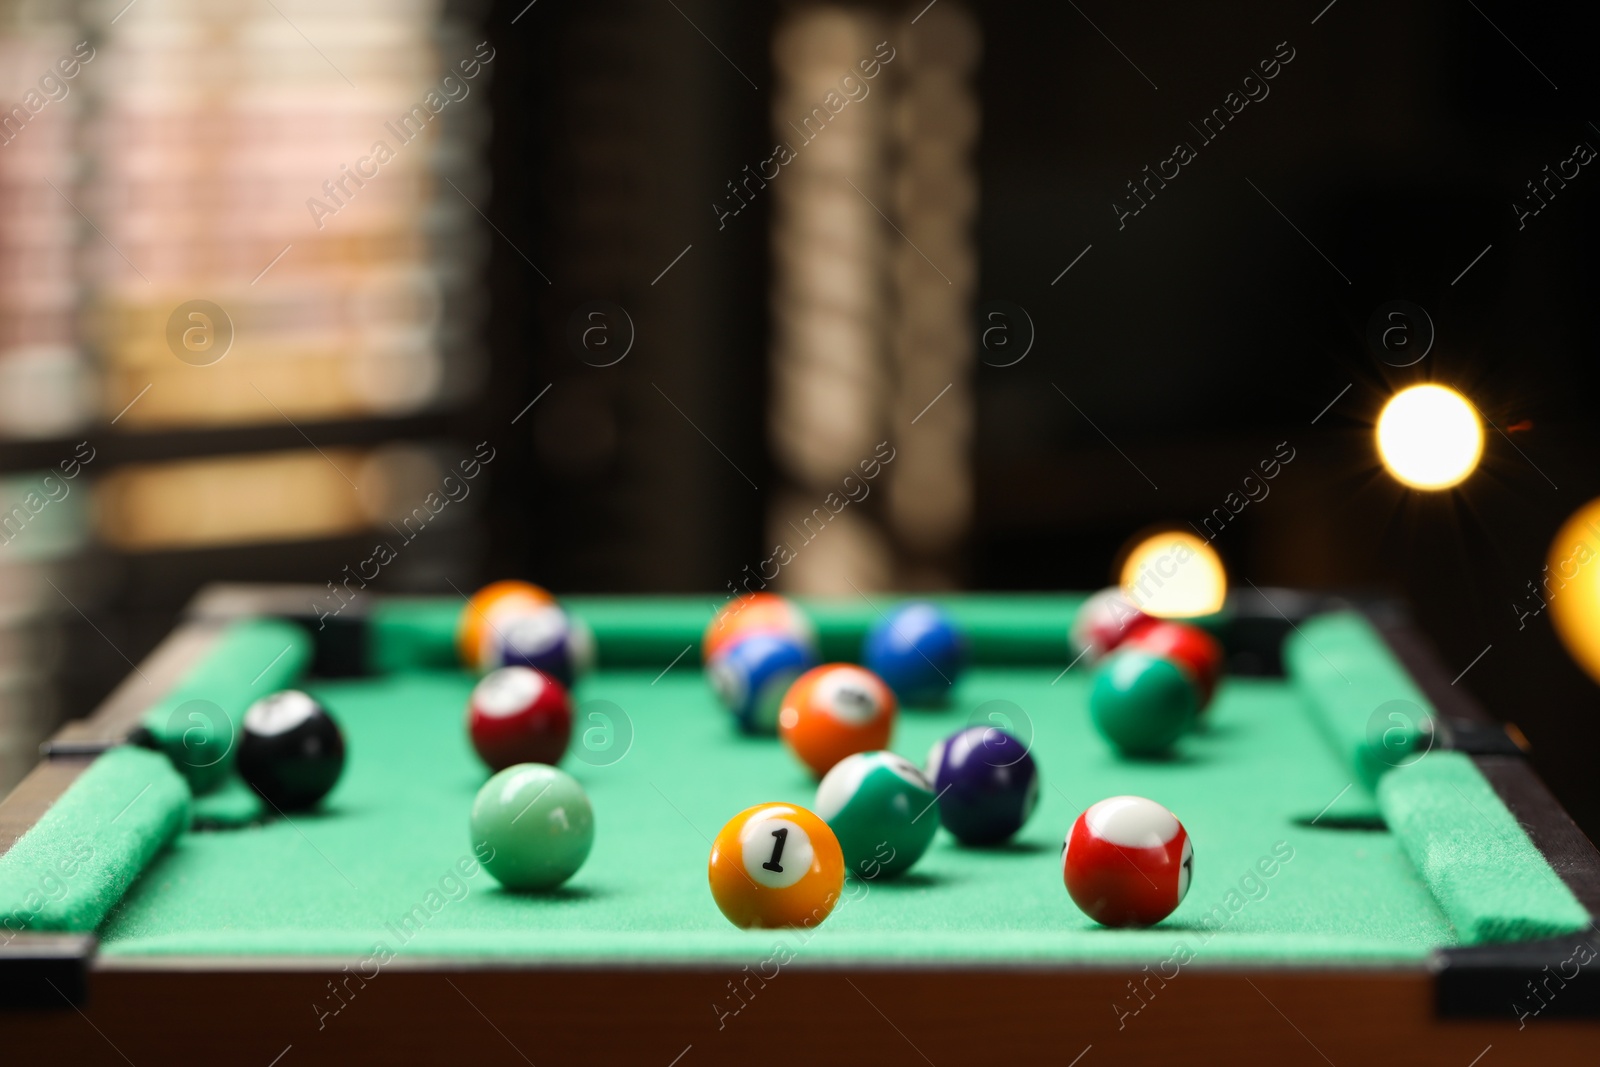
[
  {"x": 46, "y": 388},
  {"x": 288, "y": 165},
  {"x": 240, "y": 262},
  {"x": 874, "y": 277}
]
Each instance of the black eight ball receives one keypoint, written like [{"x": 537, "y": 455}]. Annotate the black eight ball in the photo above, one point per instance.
[{"x": 290, "y": 750}]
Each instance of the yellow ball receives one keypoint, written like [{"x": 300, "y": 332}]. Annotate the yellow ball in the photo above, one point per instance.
[
  {"x": 1570, "y": 586},
  {"x": 776, "y": 865}
]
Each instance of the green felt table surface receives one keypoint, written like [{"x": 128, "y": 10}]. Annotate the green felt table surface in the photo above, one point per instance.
[
  {"x": 1317, "y": 842},
  {"x": 341, "y": 881}
]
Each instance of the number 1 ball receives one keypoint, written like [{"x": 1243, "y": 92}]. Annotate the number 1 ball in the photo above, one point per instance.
[
  {"x": 1127, "y": 862},
  {"x": 776, "y": 865},
  {"x": 290, "y": 750}
]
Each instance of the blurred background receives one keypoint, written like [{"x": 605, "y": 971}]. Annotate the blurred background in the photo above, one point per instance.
[{"x": 669, "y": 272}]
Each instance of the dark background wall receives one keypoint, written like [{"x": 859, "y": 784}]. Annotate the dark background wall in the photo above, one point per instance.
[
  {"x": 1212, "y": 327},
  {"x": 1223, "y": 319},
  {"x": 1209, "y": 329}
]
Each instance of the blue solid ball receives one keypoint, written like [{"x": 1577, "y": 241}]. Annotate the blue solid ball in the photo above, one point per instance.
[
  {"x": 544, "y": 639},
  {"x": 918, "y": 651},
  {"x": 986, "y": 782},
  {"x": 751, "y": 675}
]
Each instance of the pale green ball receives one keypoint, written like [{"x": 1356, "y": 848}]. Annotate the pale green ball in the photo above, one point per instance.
[{"x": 534, "y": 824}]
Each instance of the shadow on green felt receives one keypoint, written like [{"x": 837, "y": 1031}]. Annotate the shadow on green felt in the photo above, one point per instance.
[
  {"x": 560, "y": 894},
  {"x": 255, "y": 814},
  {"x": 1006, "y": 848},
  {"x": 1177, "y": 756},
  {"x": 910, "y": 880},
  {"x": 202, "y": 825},
  {"x": 333, "y": 809},
  {"x": 1367, "y": 823}
]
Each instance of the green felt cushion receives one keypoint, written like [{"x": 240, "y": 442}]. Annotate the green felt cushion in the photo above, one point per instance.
[
  {"x": 76, "y": 862},
  {"x": 1015, "y": 629},
  {"x": 197, "y": 723},
  {"x": 1487, "y": 876},
  {"x": 413, "y": 634},
  {"x": 1362, "y": 698},
  {"x": 419, "y": 633}
]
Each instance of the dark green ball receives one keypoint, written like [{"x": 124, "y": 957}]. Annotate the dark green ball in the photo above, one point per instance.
[
  {"x": 881, "y": 808},
  {"x": 1142, "y": 703}
]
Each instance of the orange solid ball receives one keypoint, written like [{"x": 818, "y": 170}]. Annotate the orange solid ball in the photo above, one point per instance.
[
  {"x": 776, "y": 865},
  {"x": 834, "y": 711},
  {"x": 487, "y": 606},
  {"x": 756, "y": 613}
]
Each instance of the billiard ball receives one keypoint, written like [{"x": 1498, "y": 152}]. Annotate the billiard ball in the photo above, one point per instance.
[
  {"x": 754, "y": 613},
  {"x": 881, "y": 807},
  {"x": 532, "y": 826},
  {"x": 776, "y": 865},
  {"x": 833, "y": 711},
  {"x": 1190, "y": 647},
  {"x": 918, "y": 651},
  {"x": 987, "y": 784},
  {"x": 518, "y": 715},
  {"x": 542, "y": 638},
  {"x": 290, "y": 750},
  {"x": 1102, "y": 623},
  {"x": 751, "y": 675},
  {"x": 582, "y": 643},
  {"x": 480, "y": 618},
  {"x": 1127, "y": 861},
  {"x": 1141, "y": 702}
]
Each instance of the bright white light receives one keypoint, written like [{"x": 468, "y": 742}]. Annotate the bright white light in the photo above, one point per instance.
[
  {"x": 1175, "y": 575},
  {"x": 1429, "y": 437}
]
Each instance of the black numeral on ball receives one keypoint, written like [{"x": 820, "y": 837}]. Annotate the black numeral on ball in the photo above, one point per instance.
[{"x": 777, "y": 851}]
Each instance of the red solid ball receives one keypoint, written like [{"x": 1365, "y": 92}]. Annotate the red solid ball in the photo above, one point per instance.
[
  {"x": 1127, "y": 861},
  {"x": 1196, "y": 652},
  {"x": 518, "y": 715}
]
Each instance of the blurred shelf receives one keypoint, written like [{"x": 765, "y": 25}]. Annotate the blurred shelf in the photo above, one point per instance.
[{"x": 114, "y": 447}]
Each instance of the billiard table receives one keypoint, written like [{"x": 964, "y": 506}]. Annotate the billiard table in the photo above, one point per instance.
[{"x": 1378, "y": 872}]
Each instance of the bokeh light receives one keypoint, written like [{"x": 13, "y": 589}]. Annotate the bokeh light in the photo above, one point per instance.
[
  {"x": 1570, "y": 587},
  {"x": 1175, "y": 575},
  {"x": 1429, "y": 437}
]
